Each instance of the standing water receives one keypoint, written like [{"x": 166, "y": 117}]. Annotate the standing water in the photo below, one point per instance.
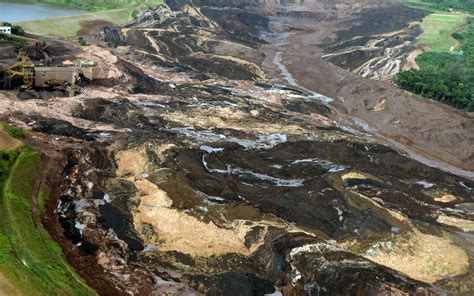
[{"x": 24, "y": 10}]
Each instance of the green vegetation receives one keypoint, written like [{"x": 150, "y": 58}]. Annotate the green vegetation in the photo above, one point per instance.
[
  {"x": 43, "y": 198},
  {"x": 29, "y": 258},
  {"x": 12, "y": 39},
  {"x": 438, "y": 29},
  {"x": 14, "y": 131},
  {"x": 69, "y": 26},
  {"x": 16, "y": 30},
  {"x": 117, "y": 12},
  {"x": 447, "y": 70},
  {"x": 445, "y": 5},
  {"x": 81, "y": 41},
  {"x": 92, "y": 5},
  {"x": 445, "y": 77}
]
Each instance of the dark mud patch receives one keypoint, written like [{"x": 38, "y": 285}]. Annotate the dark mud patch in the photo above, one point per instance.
[
  {"x": 118, "y": 111},
  {"x": 233, "y": 283},
  {"x": 59, "y": 127},
  {"x": 88, "y": 27},
  {"x": 220, "y": 66},
  {"x": 298, "y": 181},
  {"x": 113, "y": 217},
  {"x": 82, "y": 260},
  {"x": 381, "y": 20}
]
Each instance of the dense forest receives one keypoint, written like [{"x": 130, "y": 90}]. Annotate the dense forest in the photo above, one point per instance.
[{"x": 448, "y": 78}]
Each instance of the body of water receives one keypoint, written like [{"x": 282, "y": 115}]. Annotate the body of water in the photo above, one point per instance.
[{"x": 19, "y": 11}]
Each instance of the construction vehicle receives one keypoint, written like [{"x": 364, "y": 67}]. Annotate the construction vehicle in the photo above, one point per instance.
[
  {"x": 23, "y": 68},
  {"x": 41, "y": 76},
  {"x": 41, "y": 48}
]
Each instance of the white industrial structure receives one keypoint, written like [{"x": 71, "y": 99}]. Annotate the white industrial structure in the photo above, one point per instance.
[{"x": 5, "y": 30}]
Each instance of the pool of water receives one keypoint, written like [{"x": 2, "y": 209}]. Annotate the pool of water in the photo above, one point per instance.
[{"x": 24, "y": 10}]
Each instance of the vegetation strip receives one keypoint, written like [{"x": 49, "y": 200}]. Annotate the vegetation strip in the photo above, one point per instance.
[{"x": 28, "y": 256}]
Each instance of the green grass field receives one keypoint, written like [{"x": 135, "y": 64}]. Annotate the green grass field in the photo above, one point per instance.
[
  {"x": 441, "y": 5},
  {"x": 69, "y": 26},
  {"x": 93, "y": 5},
  {"x": 438, "y": 29},
  {"x": 419, "y": 4},
  {"x": 29, "y": 259}
]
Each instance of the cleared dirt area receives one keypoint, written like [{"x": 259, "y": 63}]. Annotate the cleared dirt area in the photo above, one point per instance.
[
  {"x": 438, "y": 29},
  {"x": 7, "y": 142},
  {"x": 7, "y": 288},
  {"x": 411, "y": 60}
]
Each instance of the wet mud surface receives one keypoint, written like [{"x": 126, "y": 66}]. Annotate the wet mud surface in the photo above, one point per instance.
[{"x": 188, "y": 169}]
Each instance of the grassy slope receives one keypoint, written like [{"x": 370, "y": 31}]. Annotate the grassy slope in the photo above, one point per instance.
[
  {"x": 438, "y": 29},
  {"x": 93, "y": 5},
  {"x": 445, "y": 5},
  {"x": 116, "y": 12},
  {"x": 29, "y": 258},
  {"x": 69, "y": 26}
]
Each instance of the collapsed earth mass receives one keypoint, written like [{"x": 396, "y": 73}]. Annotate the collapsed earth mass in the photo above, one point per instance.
[{"x": 246, "y": 147}]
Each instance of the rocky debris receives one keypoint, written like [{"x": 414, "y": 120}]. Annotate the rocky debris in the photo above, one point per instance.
[
  {"x": 181, "y": 183},
  {"x": 110, "y": 35},
  {"x": 323, "y": 269},
  {"x": 154, "y": 18},
  {"x": 244, "y": 188},
  {"x": 29, "y": 94},
  {"x": 373, "y": 52}
]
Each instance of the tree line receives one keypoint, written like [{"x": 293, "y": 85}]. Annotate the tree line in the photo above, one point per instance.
[{"x": 448, "y": 78}]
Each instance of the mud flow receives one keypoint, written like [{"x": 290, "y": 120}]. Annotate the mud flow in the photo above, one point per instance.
[{"x": 199, "y": 162}]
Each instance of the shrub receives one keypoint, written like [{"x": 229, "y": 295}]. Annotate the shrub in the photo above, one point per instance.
[{"x": 13, "y": 131}]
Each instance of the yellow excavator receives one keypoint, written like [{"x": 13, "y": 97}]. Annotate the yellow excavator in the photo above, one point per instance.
[{"x": 23, "y": 68}]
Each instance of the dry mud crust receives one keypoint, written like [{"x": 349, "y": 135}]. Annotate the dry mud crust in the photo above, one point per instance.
[
  {"x": 376, "y": 57},
  {"x": 325, "y": 269},
  {"x": 427, "y": 128},
  {"x": 204, "y": 49},
  {"x": 375, "y": 42},
  {"x": 7, "y": 142}
]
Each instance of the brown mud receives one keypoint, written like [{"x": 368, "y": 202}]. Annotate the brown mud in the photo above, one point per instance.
[{"x": 189, "y": 168}]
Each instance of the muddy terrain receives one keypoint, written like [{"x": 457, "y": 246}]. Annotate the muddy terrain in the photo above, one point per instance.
[{"x": 224, "y": 150}]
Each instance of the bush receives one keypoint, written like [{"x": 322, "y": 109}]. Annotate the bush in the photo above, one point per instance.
[
  {"x": 82, "y": 41},
  {"x": 16, "y": 30},
  {"x": 13, "y": 131}
]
